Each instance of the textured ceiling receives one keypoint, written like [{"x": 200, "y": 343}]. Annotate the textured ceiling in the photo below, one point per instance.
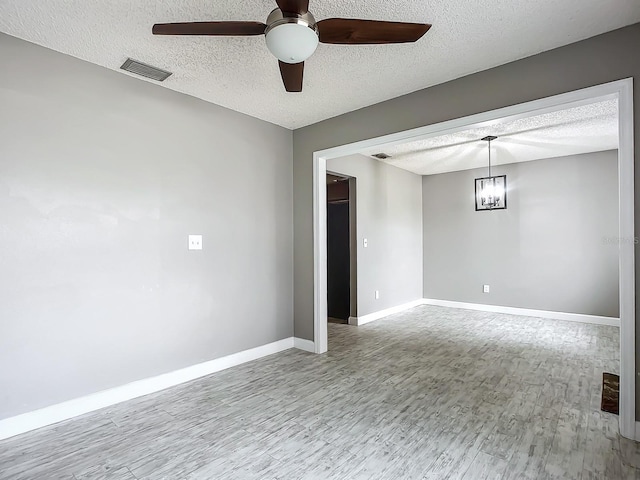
[
  {"x": 239, "y": 73},
  {"x": 589, "y": 128}
]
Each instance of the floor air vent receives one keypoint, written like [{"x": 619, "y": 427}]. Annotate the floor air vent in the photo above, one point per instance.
[{"x": 145, "y": 70}]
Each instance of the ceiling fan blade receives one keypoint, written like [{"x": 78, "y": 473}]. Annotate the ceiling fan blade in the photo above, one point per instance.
[
  {"x": 292, "y": 75},
  {"x": 361, "y": 32},
  {"x": 209, "y": 28},
  {"x": 293, "y": 6}
]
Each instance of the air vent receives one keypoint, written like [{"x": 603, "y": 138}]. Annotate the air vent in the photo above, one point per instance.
[
  {"x": 145, "y": 70},
  {"x": 381, "y": 156}
]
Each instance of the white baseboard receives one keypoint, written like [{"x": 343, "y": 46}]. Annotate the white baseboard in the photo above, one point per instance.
[
  {"x": 527, "y": 312},
  {"x": 303, "y": 344},
  {"x": 79, "y": 406},
  {"x": 384, "y": 313}
]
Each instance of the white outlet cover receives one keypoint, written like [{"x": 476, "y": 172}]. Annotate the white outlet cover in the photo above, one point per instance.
[
  {"x": 195, "y": 242},
  {"x": 485, "y": 288},
  {"x": 365, "y": 243}
]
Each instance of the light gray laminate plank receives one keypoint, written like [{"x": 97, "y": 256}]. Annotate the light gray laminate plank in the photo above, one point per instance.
[
  {"x": 504, "y": 438},
  {"x": 485, "y": 467},
  {"x": 101, "y": 472},
  {"x": 629, "y": 452},
  {"x": 566, "y": 457},
  {"x": 602, "y": 458}
]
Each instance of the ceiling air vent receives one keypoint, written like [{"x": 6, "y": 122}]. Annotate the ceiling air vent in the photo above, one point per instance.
[
  {"x": 145, "y": 70},
  {"x": 381, "y": 156}
]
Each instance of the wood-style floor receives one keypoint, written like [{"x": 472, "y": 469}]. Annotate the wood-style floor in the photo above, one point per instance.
[{"x": 432, "y": 393}]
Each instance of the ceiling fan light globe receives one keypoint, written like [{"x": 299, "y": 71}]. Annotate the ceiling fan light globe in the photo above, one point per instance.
[{"x": 292, "y": 42}]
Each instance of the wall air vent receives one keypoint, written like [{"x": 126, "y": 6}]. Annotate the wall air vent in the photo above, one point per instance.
[
  {"x": 145, "y": 70},
  {"x": 381, "y": 156}
]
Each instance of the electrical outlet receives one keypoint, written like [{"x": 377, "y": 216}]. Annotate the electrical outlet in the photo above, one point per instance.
[
  {"x": 195, "y": 242},
  {"x": 485, "y": 288},
  {"x": 377, "y": 294}
]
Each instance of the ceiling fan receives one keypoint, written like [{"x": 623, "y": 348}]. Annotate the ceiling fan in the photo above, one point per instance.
[{"x": 292, "y": 34}]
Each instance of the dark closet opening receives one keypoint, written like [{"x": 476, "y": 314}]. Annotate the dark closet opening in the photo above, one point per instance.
[{"x": 338, "y": 249}]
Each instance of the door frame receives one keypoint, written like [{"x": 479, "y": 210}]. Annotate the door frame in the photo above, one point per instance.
[{"x": 621, "y": 90}]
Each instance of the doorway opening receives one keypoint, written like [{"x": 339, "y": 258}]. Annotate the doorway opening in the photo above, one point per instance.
[
  {"x": 341, "y": 234},
  {"x": 621, "y": 90}
]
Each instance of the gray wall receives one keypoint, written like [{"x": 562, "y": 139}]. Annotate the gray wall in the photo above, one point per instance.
[
  {"x": 389, "y": 216},
  {"x": 102, "y": 177},
  {"x": 601, "y": 59},
  {"x": 551, "y": 248}
]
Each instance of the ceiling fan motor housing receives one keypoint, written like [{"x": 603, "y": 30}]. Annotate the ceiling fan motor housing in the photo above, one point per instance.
[{"x": 291, "y": 38}]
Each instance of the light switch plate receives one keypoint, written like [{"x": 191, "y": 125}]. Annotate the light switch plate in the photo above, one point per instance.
[
  {"x": 195, "y": 242},
  {"x": 365, "y": 243}
]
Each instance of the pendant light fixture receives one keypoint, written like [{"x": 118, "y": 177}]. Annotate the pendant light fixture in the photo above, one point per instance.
[{"x": 491, "y": 191}]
